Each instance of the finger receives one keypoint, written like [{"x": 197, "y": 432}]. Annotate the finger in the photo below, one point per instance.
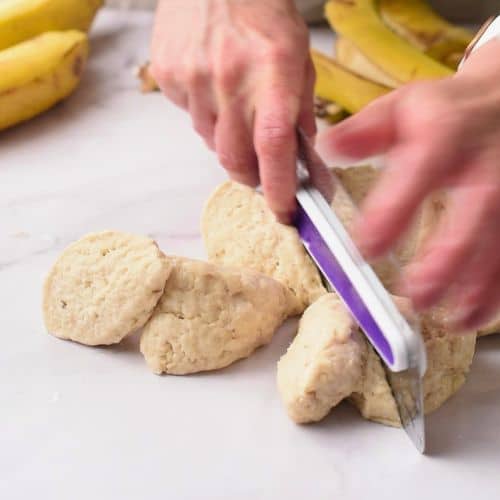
[
  {"x": 276, "y": 146},
  {"x": 168, "y": 84},
  {"x": 307, "y": 120},
  {"x": 202, "y": 108},
  {"x": 470, "y": 227},
  {"x": 475, "y": 304},
  {"x": 414, "y": 170},
  {"x": 234, "y": 144},
  {"x": 370, "y": 132}
]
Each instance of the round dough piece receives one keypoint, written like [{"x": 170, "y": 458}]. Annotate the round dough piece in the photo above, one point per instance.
[
  {"x": 324, "y": 363},
  {"x": 210, "y": 316},
  {"x": 103, "y": 287},
  {"x": 240, "y": 230}
]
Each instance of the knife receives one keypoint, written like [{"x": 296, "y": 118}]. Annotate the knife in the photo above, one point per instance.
[{"x": 399, "y": 344}]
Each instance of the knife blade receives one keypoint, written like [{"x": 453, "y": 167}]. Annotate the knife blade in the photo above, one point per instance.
[{"x": 399, "y": 344}]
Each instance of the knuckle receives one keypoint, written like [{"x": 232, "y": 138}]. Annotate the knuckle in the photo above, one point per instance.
[
  {"x": 162, "y": 72},
  {"x": 272, "y": 137},
  {"x": 234, "y": 161},
  {"x": 195, "y": 75},
  {"x": 228, "y": 76},
  {"x": 282, "y": 52}
]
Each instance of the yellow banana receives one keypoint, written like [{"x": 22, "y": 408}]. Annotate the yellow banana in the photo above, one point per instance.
[
  {"x": 23, "y": 19},
  {"x": 360, "y": 22},
  {"x": 337, "y": 84},
  {"x": 349, "y": 56},
  {"x": 38, "y": 73},
  {"x": 419, "y": 24}
]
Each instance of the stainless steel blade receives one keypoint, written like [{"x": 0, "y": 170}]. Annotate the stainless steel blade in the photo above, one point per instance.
[{"x": 407, "y": 390}]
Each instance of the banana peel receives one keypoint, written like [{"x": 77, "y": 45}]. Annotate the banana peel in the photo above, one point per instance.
[
  {"x": 337, "y": 84},
  {"x": 349, "y": 56},
  {"x": 418, "y": 23},
  {"x": 21, "y": 20},
  {"x": 38, "y": 73},
  {"x": 360, "y": 22}
]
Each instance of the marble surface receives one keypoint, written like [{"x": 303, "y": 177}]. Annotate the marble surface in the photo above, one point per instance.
[{"x": 94, "y": 423}]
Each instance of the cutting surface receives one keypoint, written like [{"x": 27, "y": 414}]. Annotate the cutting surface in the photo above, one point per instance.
[{"x": 94, "y": 423}]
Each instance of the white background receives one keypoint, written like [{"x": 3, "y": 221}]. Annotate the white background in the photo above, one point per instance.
[{"x": 94, "y": 423}]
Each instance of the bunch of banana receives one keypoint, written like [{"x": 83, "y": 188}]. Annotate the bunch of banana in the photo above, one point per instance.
[
  {"x": 385, "y": 43},
  {"x": 43, "y": 51}
]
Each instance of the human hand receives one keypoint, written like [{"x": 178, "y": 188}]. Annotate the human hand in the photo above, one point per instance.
[
  {"x": 435, "y": 135},
  {"x": 242, "y": 70}
]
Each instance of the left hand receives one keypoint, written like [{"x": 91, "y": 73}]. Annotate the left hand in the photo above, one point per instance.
[{"x": 439, "y": 134}]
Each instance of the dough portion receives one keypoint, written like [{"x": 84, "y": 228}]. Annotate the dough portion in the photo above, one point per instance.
[
  {"x": 449, "y": 357},
  {"x": 330, "y": 360},
  {"x": 239, "y": 230},
  {"x": 324, "y": 364},
  {"x": 210, "y": 316},
  {"x": 103, "y": 287},
  {"x": 491, "y": 327}
]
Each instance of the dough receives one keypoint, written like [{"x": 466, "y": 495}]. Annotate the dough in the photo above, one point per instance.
[
  {"x": 449, "y": 357},
  {"x": 330, "y": 360},
  {"x": 239, "y": 230},
  {"x": 491, "y": 327},
  {"x": 324, "y": 364},
  {"x": 103, "y": 287},
  {"x": 210, "y": 316}
]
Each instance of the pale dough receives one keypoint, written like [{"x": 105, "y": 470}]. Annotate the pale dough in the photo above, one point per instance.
[
  {"x": 103, "y": 287},
  {"x": 449, "y": 357},
  {"x": 491, "y": 327},
  {"x": 324, "y": 364},
  {"x": 210, "y": 316},
  {"x": 330, "y": 360},
  {"x": 239, "y": 230}
]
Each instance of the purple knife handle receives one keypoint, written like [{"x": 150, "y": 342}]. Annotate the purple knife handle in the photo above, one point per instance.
[{"x": 338, "y": 279}]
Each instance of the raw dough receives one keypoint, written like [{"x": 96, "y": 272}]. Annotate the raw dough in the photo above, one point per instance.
[
  {"x": 491, "y": 327},
  {"x": 239, "y": 230},
  {"x": 210, "y": 316},
  {"x": 330, "y": 360},
  {"x": 324, "y": 364},
  {"x": 449, "y": 357},
  {"x": 103, "y": 287}
]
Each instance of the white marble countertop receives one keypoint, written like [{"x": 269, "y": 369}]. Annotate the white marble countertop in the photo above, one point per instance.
[{"x": 94, "y": 423}]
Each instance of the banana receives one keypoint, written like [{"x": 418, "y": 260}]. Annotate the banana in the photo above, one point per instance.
[
  {"x": 360, "y": 22},
  {"x": 419, "y": 24},
  {"x": 348, "y": 90},
  {"x": 349, "y": 56},
  {"x": 24, "y": 19},
  {"x": 38, "y": 73}
]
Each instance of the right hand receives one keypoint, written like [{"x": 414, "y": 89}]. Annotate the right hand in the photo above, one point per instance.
[{"x": 242, "y": 70}]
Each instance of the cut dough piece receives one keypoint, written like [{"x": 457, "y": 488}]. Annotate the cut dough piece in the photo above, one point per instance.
[
  {"x": 449, "y": 357},
  {"x": 324, "y": 363},
  {"x": 491, "y": 327},
  {"x": 103, "y": 287},
  {"x": 239, "y": 230},
  {"x": 210, "y": 316}
]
